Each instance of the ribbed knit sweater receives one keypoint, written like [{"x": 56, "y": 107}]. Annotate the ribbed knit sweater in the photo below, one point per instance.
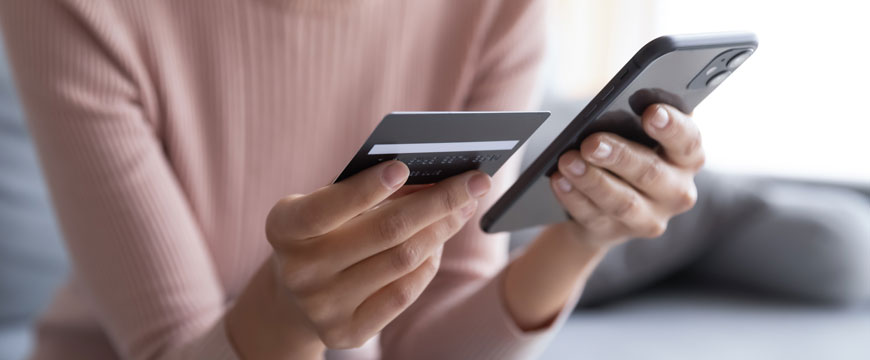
[{"x": 167, "y": 129}]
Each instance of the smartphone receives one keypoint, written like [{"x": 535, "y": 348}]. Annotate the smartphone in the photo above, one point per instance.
[{"x": 679, "y": 70}]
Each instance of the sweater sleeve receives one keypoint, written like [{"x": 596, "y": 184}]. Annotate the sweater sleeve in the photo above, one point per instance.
[
  {"x": 462, "y": 314},
  {"x": 132, "y": 237}
]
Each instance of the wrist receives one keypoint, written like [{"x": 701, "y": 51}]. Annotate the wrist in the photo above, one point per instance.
[
  {"x": 263, "y": 325},
  {"x": 549, "y": 273},
  {"x": 573, "y": 239}
]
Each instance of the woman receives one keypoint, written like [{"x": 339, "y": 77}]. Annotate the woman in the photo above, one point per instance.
[{"x": 173, "y": 133}]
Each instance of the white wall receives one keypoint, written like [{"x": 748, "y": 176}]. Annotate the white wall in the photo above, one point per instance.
[{"x": 799, "y": 107}]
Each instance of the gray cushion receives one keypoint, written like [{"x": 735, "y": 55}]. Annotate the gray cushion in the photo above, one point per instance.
[
  {"x": 32, "y": 260},
  {"x": 680, "y": 323}
]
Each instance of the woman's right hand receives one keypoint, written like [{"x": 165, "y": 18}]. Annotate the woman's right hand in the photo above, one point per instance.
[{"x": 350, "y": 262}]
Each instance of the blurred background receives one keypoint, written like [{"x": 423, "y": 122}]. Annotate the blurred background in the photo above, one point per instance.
[{"x": 798, "y": 93}]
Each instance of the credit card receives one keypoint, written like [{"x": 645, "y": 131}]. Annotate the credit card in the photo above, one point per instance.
[{"x": 438, "y": 145}]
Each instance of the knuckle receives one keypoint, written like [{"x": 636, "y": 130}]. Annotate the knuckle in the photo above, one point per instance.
[
  {"x": 343, "y": 337},
  {"x": 451, "y": 200},
  {"x": 366, "y": 197},
  {"x": 443, "y": 229},
  {"x": 656, "y": 229},
  {"x": 318, "y": 309},
  {"x": 335, "y": 337},
  {"x": 305, "y": 217},
  {"x": 436, "y": 257},
  {"x": 651, "y": 174},
  {"x": 693, "y": 146},
  {"x": 356, "y": 340},
  {"x": 393, "y": 226},
  {"x": 449, "y": 226},
  {"x": 595, "y": 222},
  {"x": 687, "y": 198},
  {"x": 405, "y": 257},
  {"x": 593, "y": 182},
  {"x": 673, "y": 131},
  {"x": 431, "y": 265},
  {"x": 401, "y": 296},
  {"x": 702, "y": 159},
  {"x": 626, "y": 206},
  {"x": 298, "y": 277},
  {"x": 275, "y": 218},
  {"x": 621, "y": 154}
]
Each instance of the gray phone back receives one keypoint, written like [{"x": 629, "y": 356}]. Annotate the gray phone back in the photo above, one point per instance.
[{"x": 680, "y": 71}]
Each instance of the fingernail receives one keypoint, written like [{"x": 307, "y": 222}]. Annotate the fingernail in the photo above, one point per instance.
[
  {"x": 564, "y": 185},
  {"x": 602, "y": 151},
  {"x": 468, "y": 210},
  {"x": 478, "y": 185},
  {"x": 577, "y": 167},
  {"x": 394, "y": 175},
  {"x": 660, "y": 118}
]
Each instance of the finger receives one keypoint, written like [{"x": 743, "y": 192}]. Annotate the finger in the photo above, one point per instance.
[
  {"x": 582, "y": 210},
  {"x": 393, "y": 223},
  {"x": 619, "y": 201},
  {"x": 614, "y": 197},
  {"x": 636, "y": 164},
  {"x": 331, "y": 206},
  {"x": 677, "y": 133},
  {"x": 404, "y": 190},
  {"x": 407, "y": 190},
  {"x": 387, "y": 303},
  {"x": 362, "y": 279}
]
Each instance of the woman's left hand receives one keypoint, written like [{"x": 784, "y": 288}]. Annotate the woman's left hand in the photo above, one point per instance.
[{"x": 617, "y": 189}]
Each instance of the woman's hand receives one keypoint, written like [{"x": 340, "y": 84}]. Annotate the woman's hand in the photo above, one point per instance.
[
  {"x": 348, "y": 262},
  {"x": 616, "y": 189}
]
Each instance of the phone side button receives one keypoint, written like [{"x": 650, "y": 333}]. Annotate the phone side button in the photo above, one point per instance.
[{"x": 606, "y": 91}]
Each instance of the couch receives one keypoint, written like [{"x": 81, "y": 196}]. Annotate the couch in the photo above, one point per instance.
[{"x": 32, "y": 259}]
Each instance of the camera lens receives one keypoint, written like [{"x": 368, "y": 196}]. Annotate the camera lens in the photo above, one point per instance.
[
  {"x": 711, "y": 70},
  {"x": 738, "y": 59},
  {"x": 717, "y": 79}
]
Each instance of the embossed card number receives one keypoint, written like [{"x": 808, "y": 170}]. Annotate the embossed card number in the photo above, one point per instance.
[{"x": 437, "y": 145}]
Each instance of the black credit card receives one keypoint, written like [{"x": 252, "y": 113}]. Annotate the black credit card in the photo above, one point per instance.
[{"x": 438, "y": 145}]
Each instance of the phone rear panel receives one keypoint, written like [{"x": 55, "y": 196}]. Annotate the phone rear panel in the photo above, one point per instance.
[
  {"x": 665, "y": 80},
  {"x": 676, "y": 70}
]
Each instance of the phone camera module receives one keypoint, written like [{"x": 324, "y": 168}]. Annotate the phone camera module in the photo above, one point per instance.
[
  {"x": 738, "y": 59},
  {"x": 717, "y": 79},
  {"x": 715, "y": 72}
]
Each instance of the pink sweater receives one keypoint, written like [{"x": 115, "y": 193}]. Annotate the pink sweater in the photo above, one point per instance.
[{"x": 169, "y": 128}]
